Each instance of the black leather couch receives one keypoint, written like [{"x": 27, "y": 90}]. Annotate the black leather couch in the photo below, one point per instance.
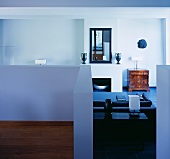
[
  {"x": 144, "y": 102},
  {"x": 146, "y": 107}
]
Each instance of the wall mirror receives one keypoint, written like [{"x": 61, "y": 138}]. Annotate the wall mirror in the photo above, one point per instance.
[{"x": 100, "y": 45}]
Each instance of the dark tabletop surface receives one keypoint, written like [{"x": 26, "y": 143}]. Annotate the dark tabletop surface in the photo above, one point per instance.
[{"x": 119, "y": 116}]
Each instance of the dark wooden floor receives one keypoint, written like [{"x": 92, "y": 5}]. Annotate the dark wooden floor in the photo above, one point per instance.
[{"x": 36, "y": 140}]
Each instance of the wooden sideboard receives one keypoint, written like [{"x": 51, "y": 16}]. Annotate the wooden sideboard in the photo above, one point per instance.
[{"x": 138, "y": 79}]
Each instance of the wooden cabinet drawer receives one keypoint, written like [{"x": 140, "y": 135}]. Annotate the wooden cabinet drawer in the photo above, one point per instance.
[
  {"x": 132, "y": 73},
  {"x": 135, "y": 77},
  {"x": 146, "y": 73},
  {"x": 138, "y": 80},
  {"x": 139, "y": 86}
]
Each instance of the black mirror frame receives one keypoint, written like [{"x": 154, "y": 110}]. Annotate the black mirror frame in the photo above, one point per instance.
[{"x": 110, "y": 54}]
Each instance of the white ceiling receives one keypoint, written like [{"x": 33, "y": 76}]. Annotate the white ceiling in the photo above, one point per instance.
[{"x": 84, "y": 12}]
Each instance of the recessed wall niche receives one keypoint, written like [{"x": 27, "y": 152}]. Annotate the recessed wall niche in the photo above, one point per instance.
[{"x": 50, "y": 39}]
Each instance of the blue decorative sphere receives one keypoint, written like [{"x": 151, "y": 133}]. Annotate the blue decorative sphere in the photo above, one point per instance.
[{"x": 142, "y": 43}]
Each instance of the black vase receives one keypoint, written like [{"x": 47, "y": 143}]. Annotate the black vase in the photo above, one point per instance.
[
  {"x": 84, "y": 57},
  {"x": 118, "y": 57}
]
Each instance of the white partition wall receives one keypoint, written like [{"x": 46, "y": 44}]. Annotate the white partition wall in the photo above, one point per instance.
[
  {"x": 40, "y": 93},
  {"x": 83, "y": 115},
  {"x": 50, "y": 93},
  {"x": 163, "y": 112}
]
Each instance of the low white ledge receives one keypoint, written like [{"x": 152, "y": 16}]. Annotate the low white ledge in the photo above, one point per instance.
[{"x": 37, "y": 93}]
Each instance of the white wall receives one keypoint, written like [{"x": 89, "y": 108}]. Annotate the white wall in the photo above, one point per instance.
[
  {"x": 60, "y": 35},
  {"x": 83, "y": 115},
  {"x": 53, "y": 39},
  {"x": 95, "y": 23},
  {"x": 167, "y": 39},
  {"x": 38, "y": 93},
  {"x": 130, "y": 31},
  {"x": 163, "y": 112},
  {"x": 125, "y": 35},
  {"x": 112, "y": 71}
]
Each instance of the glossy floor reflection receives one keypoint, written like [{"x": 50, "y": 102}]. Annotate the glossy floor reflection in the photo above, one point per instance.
[
  {"x": 122, "y": 152},
  {"x": 127, "y": 152}
]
